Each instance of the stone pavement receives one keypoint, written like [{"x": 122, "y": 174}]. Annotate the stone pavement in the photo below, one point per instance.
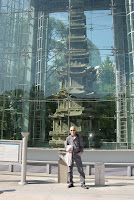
[{"x": 42, "y": 186}]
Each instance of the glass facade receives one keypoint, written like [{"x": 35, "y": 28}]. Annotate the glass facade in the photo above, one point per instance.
[
  {"x": 130, "y": 35},
  {"x": 64, "y": 63}
]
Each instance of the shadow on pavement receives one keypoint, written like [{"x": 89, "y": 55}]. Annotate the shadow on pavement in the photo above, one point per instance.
[
  {"x": 40, "y": 182},
  {"x": 9, "y": 181},
  {"x": 112, "y": 185},
  {"x": 2, "y": 191}
]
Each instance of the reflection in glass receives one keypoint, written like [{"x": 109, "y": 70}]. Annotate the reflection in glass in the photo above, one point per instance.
[{"x": 67, "y": 63}]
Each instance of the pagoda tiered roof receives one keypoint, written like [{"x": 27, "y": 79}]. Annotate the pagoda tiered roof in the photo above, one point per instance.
[{"x": 62, "y": 5}]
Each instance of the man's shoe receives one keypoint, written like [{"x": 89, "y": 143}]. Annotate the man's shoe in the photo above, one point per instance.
[
  {"x": 84, "y": 186},
  {"x": 70, "y": 185}
]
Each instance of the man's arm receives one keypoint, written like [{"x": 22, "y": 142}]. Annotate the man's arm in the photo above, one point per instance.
[
  {"x": 81, "y": 145},
  {"x": 68, "y": 143}
]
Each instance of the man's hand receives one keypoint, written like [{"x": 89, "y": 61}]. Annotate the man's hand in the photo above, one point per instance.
[
  {"x": 70, "y": 150},
  {"x": 79, "y": 154}
]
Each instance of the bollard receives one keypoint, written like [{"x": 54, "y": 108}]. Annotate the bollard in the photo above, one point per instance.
[
  {"x": 129, "y": 171},
  {"x": 10, "y": 169},
  {"x": 62, "y": 169},
  {"x": 99, "y": 174},
  {"x": 88, "y": 170},
  {"x": 48, "y": 167},
  {"x": 24, "y": 159}
]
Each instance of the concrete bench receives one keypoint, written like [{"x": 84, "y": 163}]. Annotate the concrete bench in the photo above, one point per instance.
[
  {"x": 10, "y": 165},
  {"x": 128, "y": 165},
  {"x": 48, "y": 164},
  {"x": 88, "y": 165}
]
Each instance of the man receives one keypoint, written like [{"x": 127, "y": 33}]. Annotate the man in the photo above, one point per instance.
[{"x": 77, "y": 149}]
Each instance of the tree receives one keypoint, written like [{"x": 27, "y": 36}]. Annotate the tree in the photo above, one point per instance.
[
  {"x": 6, "y": 122},
  {"x": 56, "y": 48},
  {"x": 105, "y": 87},
  {"x": 107, "y": 119},
  {"x": 106, "y": 77}
]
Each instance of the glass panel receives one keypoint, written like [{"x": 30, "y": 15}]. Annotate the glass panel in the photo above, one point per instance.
[
  {"x": 128, "y": 23},
  {"x": 63, "y": 65},
  {"x": 132, "y": 4},
  {"x": 129, "y": 42}
]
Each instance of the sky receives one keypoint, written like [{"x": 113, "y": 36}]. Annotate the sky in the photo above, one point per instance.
[{"x": 99, "y": 30}]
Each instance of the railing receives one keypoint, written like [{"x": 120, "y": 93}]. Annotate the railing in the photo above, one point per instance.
[{"x": 88, "y": 165}]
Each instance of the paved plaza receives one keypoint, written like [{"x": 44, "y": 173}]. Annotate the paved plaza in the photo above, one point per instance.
[{"x": 41, "y": 186}]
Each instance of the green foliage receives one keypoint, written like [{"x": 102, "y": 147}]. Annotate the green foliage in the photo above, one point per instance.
[
  {"x": 6, "y": 126},
  {"x": 107, "y": 122},
  {"x": 94, "y": 54},
  {"x": 57, "y": 32},
  {"x": 57, "y": 45},
  {"x": 106, "y": 77},
  {"x": 11, "y": 114},
  {"x": 62, "y": 29}
]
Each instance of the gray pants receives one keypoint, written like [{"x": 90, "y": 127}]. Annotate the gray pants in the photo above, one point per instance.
[{"x": 78, "y": 162}]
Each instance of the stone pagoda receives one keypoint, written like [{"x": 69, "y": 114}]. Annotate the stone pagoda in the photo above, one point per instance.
[
  {"x": 72, "y": 112},
  {"x": 81, "y": 76},
  {"x": 77, "y": 79}
]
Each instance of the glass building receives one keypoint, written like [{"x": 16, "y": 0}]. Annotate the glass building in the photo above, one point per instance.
[{"x": 64, "y": 63}]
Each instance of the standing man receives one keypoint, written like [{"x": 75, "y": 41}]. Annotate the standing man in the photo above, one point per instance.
[{"x": 77, "y": 149}]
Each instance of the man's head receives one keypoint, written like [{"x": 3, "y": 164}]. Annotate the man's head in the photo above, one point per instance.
[{"x": 72, "y": 130}]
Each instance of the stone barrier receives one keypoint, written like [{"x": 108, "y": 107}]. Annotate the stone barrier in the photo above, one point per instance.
[{"x": 99, "y": 174}]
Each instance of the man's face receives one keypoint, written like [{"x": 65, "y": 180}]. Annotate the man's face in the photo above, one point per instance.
[{"x": 72, "y": 131}]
